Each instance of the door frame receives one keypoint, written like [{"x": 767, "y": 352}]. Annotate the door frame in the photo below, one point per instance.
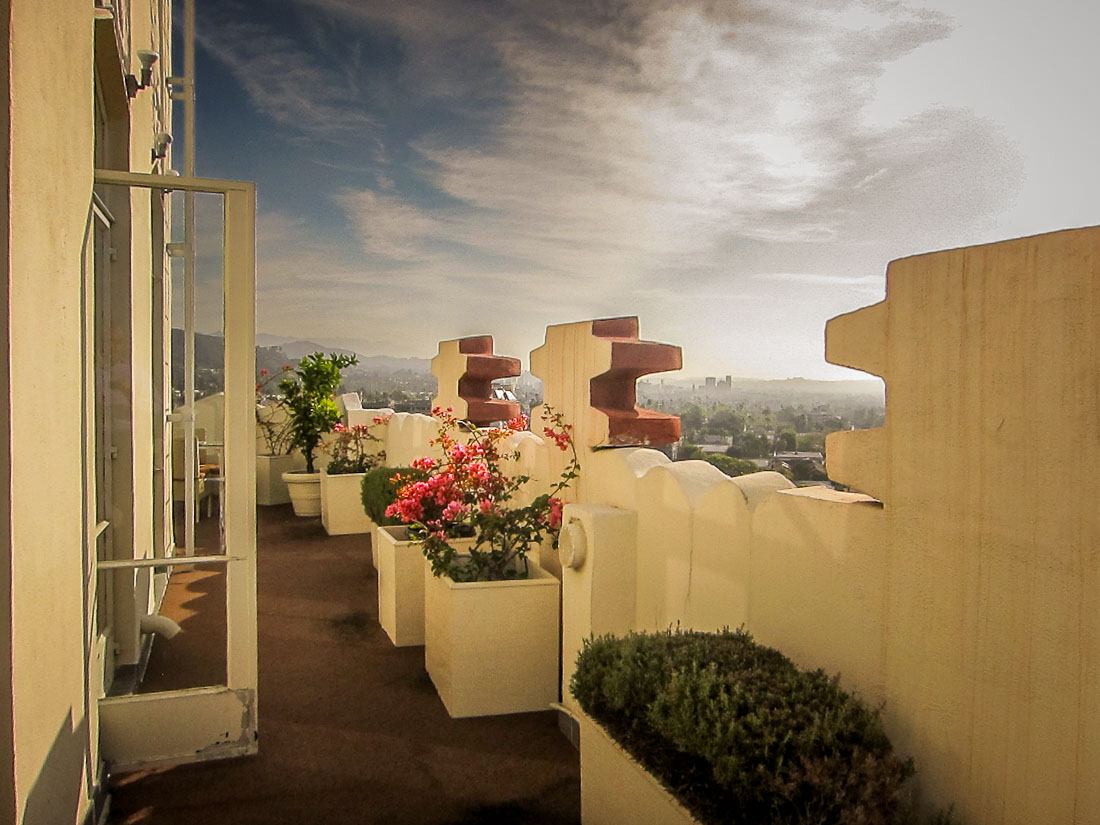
[{"x": 219, "y": 721}]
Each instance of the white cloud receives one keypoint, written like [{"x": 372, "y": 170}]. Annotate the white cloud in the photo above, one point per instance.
[
  {"x": 283, "y": 81},
  {"x": 640, "y": 157}
]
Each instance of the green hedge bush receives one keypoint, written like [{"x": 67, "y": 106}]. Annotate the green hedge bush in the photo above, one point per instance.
[
  {"x": 379, "y": 491},
  {"x": 739, "y": 734}
]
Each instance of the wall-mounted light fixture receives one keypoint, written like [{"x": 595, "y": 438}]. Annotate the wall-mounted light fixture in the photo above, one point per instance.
[
  {"x": 148, "y": 61},
  {"x": 160, "y": 146}
]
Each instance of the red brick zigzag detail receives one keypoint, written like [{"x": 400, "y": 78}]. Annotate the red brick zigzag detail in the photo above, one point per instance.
[
  {"x": 614, "y": 393},
  {"x": 475, "y": 387}
]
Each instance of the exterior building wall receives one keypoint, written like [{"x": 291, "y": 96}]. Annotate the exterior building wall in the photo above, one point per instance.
[
  {"x": 986, "y": 466},
  {"x": 50, "y": 96},
  {"x": 50, "y": 191}
]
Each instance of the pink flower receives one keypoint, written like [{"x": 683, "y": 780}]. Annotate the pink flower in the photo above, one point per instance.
[
  {"x": 556, "y": 505},
  {"x": 455, "y": 511}
]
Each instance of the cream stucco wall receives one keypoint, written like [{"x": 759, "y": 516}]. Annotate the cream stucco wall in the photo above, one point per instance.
[
  {"x": 817, "y": 583},
  {"x": 967, "y": 599},
  {"x": 986, "y": 465},
  {"x": 51, "y": 181},
  {"x": 51, "y": 95}
]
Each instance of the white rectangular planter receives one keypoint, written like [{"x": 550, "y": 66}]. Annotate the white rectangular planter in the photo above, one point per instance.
[
  {"x": 270, "y": 487},
  {"x": 492, "y": 647},
  {"x": 342, "y": 504},
  {"x": 400, "y": 565},
  {"x": 616, "y": 789}
]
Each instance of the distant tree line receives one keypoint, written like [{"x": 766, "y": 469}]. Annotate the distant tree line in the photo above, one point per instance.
[{"x": 757, "y": 433}]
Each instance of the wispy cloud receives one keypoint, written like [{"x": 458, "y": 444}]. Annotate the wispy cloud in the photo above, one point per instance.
[
  {"x": 645, "y": 140},
  {"x": 622, "y": 156},
  {"x": 284, "y": 80}
]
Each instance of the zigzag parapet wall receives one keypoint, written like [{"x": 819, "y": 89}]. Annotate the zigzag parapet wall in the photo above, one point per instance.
[{"x": 961, "y": 587}]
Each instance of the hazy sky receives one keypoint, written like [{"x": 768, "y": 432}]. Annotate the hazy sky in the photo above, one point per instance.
[{"x": 734, "y": 173}]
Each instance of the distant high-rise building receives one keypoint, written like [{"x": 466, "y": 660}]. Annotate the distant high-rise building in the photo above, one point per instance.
[{"x": 710, "y": 382}]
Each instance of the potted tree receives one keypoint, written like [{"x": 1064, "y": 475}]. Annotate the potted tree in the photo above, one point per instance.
[
  {"x": 491, "y": 641},
  {"x": 307, "y": 397},
  {"x": 354, "y": 452}
]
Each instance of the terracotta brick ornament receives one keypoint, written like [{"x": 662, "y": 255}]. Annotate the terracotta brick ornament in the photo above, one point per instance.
[
  {"x": 589, "y": 372},
  {"x": 466, "y": 369}
]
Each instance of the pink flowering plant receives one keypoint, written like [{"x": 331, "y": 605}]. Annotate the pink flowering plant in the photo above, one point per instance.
[
  {"x": 468, "y": 493},
  {"x": 350, "y": 450}
]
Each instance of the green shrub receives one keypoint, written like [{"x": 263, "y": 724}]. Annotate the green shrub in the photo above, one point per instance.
[
  {"x": 379, "y": 491},
  {"x": 738, "y": 733}
]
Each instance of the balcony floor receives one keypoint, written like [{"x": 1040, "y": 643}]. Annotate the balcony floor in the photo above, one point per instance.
[{"x": 351, "y": 729}]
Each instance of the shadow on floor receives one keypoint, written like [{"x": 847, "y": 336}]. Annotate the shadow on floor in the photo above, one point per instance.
[{"x": 351, "y": 729}]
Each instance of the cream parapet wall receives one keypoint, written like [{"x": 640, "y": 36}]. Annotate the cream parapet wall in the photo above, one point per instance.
[{"x": 978, "y": 628}]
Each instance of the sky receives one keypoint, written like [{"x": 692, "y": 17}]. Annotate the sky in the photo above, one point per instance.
[{"x": 733, "y": 173}]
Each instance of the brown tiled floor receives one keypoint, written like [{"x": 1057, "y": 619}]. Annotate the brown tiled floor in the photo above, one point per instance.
[{"x": 351, "y": 730}]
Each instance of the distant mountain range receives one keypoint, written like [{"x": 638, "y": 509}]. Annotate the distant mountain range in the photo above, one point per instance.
[
  {"x": 294, "y": 349},
  {"x": 273, "y": 350}
]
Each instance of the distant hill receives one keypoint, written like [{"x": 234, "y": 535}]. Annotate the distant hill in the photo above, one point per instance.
[
  {"x": 209, "y": 353},
  {"x": 388, "y": 364},
  {"x": 378, "y": 364},
  {"x": 271, "y": 355},
  {"x": 297, "y": 349}
]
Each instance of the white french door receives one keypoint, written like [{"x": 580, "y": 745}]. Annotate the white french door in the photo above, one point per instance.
[{"x": 207, "y": 721}]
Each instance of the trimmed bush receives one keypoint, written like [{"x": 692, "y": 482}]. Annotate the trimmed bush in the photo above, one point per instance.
[
  {"x": 738, "y": 733},
  {"x": 379, "y": 491}
]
